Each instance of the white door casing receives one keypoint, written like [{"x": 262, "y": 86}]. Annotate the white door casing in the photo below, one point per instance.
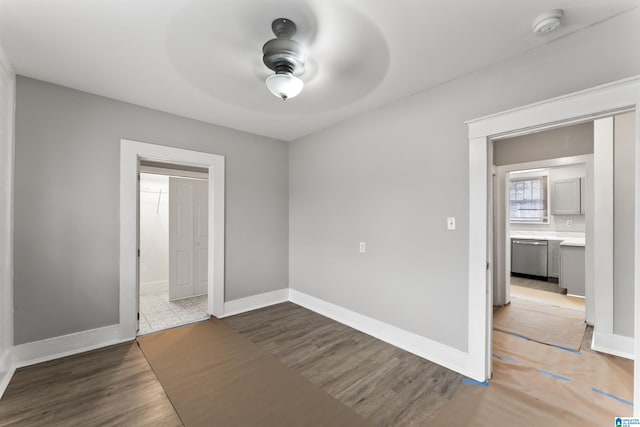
[
  {"x": 138, "y": 250},
  {"x": 131, "y": 152},
  {"x": 589, "y": 104}
]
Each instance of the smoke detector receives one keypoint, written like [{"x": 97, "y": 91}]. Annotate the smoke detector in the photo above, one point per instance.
[{"x": 547, "y": 22}]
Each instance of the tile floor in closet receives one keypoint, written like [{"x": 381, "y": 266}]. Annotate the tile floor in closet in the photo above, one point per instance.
[{"x": 157, "y": 312}]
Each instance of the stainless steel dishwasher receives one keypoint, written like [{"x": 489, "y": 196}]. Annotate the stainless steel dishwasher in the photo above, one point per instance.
[{"x": 529, "y": 257}]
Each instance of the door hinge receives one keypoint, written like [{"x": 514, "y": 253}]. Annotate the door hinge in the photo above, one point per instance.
[
  {"x": 487, "y": 263},
  {"x": 138, "y": 315},
  {"x": 138, "y": 252}
]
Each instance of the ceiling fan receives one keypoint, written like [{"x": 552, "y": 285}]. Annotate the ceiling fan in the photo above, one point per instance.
[{"x": 286, "y": 58}]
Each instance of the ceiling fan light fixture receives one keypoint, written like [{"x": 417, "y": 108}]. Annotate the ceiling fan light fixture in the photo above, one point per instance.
[
  {"x": 284, "y": 85},
  {"x": 286, "y": 58}
]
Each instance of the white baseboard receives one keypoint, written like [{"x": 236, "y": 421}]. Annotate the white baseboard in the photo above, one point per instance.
[
  {"x": 65, "y": 345},
  {"x": 79, "y": 342},
  {"x": 436, "y": 352},
  {"x": 254, "y": 302},
  {"x": 154, "y": 287},
  {"x": 449, "y": 357},
  {"x": 617, "y": 345},
  {"x": 7, "y": 370}
]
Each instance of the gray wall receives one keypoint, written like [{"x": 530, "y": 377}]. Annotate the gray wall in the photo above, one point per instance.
[
  {"x": 67, "y": 205},
  {"x": 552, "y": 144},
  {"x": 567, "y": 141},
  {"x": 391, "y": 177},
  {"x": 623, "y": 223}
]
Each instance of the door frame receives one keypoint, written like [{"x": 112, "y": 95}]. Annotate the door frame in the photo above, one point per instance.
[
  {"x": 131, "y": 152},
  {"x": 589, "y": 104}
]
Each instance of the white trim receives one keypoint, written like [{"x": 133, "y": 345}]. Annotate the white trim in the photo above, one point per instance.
[
  {"x": 610, "y": 98},
  {"x": 616, "y": 345},
  {"x": 130, "y": 154},
  {"x": 7, "y": 156},
  {"x": 603, "y": 171},
  {"x": 66, "y": 345},
  {"x": 436, "y": 352},
  {"x": 449, "y": 357},
  {"x": 568, "y": 108},
  {"x": 479, "y": 292},
  {"x": 254, "y": 302},
  {"x": 7, "y": 369},
  {"x": 79, "y": 342}
]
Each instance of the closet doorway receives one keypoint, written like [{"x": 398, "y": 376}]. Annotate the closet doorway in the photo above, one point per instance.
[{"x": 174, "y": 234}]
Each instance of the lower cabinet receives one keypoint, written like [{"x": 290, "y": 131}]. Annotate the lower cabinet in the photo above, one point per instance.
[
  {"x": 572, "y": 267},
  {"x": 553, "y": 258}
]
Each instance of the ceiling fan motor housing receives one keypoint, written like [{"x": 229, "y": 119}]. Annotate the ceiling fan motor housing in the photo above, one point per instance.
[{"x": 282, "y": 54}]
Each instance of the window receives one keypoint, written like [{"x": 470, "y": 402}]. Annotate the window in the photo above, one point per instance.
[{"x": 528, "y": 201}]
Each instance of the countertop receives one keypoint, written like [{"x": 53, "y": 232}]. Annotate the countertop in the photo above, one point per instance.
[{"x": 565, "y": 238}]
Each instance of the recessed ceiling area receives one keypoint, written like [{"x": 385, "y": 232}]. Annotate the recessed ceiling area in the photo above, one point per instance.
[{"x": 203, "y": 59}]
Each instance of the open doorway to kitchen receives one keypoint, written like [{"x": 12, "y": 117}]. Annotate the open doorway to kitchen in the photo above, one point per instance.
[
  {"x": 173, "y": 221},
  {"x": 555, "y": 222},
  {"x": 545, "y": 219},
  {"x": 614, "y": 332},
  {"x": 543, "y": 186}
]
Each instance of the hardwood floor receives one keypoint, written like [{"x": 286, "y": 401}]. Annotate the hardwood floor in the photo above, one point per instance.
[
  {"x": 540, "y": 285},
  {"x": 116, "y": 386},
  {"x": 566, "y": 301},
  {"x": 113, "y": 386},
  {"x": 384, "y": 384}
]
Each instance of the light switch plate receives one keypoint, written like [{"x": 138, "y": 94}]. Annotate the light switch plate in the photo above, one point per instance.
[
  {"x": 569, "y": 223},
  {"x": 363, "y": 247},
  {"x": 451, "y": 223}
]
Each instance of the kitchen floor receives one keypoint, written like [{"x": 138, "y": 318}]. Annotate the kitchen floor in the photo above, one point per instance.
[
  {"x": 541, "y": 285},
  {"x": 158, "y": 313},
  {"x": 552, "y": 298}
]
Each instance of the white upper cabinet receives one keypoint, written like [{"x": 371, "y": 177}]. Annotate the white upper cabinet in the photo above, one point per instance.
[{"x": 566, "y": 197}]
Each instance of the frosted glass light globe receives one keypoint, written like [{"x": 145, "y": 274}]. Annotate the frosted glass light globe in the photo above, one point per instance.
[{"x": 284, "y": 85}]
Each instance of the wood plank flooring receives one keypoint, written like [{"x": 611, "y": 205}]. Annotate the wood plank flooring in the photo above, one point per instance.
[
  {"x": 540, "y": 285},
  {"x": 113, "y": 386},
  {"x": 384, "y": 384},
  {"x": 566, "y": 301}
]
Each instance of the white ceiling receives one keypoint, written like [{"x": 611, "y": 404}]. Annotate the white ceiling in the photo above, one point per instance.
[{"x": 203, "y": 59}]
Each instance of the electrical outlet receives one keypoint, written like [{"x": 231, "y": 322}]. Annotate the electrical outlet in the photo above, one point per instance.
[
  {"x": 569, "y": 223},
  {"x": 451, "y": 223},
  {"x": 363, "y": 247}
]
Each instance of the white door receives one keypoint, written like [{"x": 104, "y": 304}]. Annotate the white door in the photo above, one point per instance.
[
  {"x": 201, "y": 236},
  {"x": 188, "y": 237},
  {"x": 180, "y": 238}
]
